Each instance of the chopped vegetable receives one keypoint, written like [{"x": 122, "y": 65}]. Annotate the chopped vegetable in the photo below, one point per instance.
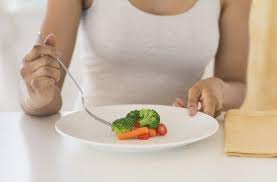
[
  {"x": 149, "y": 118},
  {"x": 152, "y": 132},
  {"x": 157, "y": 132},
  {"x": 133, "y": 134},
  {"x": 144, "y": 137},
  {"x": 141, "y": 124},
  {"x": 162, "y": 130},
  {"x": 133, "y": 115},
  {"x": 123, "y": 125}
]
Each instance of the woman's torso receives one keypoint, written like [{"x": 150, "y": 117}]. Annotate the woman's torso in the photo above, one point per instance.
[{"x": 134, "y": 57}]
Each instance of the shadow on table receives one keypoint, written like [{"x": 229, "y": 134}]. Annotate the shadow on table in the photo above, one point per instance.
[{"x": 43, "y": 147}]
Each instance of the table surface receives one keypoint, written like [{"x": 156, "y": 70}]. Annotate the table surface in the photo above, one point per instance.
[{"x": 32, "y": 151}]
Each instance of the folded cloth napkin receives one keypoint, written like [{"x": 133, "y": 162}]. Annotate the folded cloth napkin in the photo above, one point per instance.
[{"x": 251, "y": 133}]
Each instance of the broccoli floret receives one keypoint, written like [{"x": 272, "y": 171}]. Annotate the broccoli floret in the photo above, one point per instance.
[
  {"x": 133, "y": 115},
  {"x": 123, "y": 125},
  {"x": 146, "y": 118},
  {"x": 149, "y": 118}
]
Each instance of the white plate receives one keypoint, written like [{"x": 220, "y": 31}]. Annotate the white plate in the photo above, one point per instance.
[{"x": 182, "y": 129}]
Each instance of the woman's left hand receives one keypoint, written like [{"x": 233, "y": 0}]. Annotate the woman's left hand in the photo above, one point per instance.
[{"x": 207, "y": 92}]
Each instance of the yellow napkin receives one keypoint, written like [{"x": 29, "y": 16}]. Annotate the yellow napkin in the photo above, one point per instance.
[
  {"x": 252, "y": 130},
  {"x": 251, "y": 133}
]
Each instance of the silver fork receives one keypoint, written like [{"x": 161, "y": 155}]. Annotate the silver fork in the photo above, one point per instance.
[{"x": 79, "y": 88}]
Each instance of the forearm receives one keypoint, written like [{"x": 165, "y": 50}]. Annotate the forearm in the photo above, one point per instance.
[
  {"x": 29, "y": 108},
  {"x": 233, "y": 94},
  {"x": 62, "y": 19}
]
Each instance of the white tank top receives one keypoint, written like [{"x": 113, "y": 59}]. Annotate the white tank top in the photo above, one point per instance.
[{"x": 132, "y": 57}]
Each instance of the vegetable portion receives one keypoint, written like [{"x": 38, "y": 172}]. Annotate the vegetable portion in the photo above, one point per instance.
[
  {"x": 149, "y": 118},
  {"x": 123, "y": 125},
  {"x": 141, "y": 124},
  {"x": 134, "y": 115},
  {"x": 152, "y": 133},
  {"x": 133, "y": 134},
  {"x": 144, "y": 137}
]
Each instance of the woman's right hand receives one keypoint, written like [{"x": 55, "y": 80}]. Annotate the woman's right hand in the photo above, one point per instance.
[{"x": 41, "y": 72}]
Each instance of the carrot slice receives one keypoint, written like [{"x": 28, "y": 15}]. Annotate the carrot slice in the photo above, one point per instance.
[
  {"x": 143, "y": 137},
  {"x": 152, "y": 132},
  {"x": 133, "y": 134}
]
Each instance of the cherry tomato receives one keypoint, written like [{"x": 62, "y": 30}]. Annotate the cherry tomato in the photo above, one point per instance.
[
  {"x": 157, "y": 132},
  {"x": 144, "y": 137},
  {"x": 162, "y": 130},
  {"x": 152, "y": 132}
]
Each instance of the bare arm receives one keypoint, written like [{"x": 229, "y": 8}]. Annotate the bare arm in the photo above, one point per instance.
[
  {"x": 62, "y": 20},
  {"x": 227, "y": 89},
  {"x": 232, "y": 57}
]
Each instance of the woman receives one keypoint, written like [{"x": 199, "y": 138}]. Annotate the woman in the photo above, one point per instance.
[{"x": 142, "y": 51}]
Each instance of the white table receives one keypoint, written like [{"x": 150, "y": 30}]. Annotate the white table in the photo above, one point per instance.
[{"x": 32, "y": 151}]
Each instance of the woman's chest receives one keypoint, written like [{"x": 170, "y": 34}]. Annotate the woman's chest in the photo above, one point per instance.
[{"x": 123, "y": 33}]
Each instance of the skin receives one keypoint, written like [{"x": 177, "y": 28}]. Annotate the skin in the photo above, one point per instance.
[
  {"x": 42, "y": 76},
  {"x": 227, "y": 89}
]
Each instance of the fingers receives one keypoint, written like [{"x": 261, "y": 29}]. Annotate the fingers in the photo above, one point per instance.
[
  {"x": 179, "y": 102},
  {"x": 41, "y": 62},
  {"x": 40, "y": 83},
  {"x": 43, "y": 79},
  {"x": 45, "y": 89},
  {"x": 193, "y": 99},
  {"x": 208, "y": 93},
  {"x": 200, "y": 97},
  {"x": 209, "y": 103},
  {"x": 209, "y": 109},
  {"x": 50, "y": 40},
  {"x": 47, "y": 71},
  {"x": 40, "y": 69},
  {"x": 38, "y": 50}
]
